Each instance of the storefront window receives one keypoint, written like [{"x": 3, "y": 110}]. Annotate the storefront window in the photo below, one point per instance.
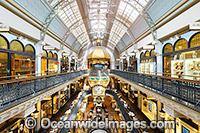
[
  {"x": 3, "y": 42},
  {"x": 16, "y": 45},
  {"x": 52, "y": 63},
  {"x": 195, "y": 41},
  {"x": 3, "y": 64},
  {"x": 64, "y": 64},
  {"x": 181, "y": 44}
]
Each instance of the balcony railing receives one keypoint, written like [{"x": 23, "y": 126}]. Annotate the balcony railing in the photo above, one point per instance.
[
  {"x": 184, "y": 91},
  {"x": 13, "y": 92}
]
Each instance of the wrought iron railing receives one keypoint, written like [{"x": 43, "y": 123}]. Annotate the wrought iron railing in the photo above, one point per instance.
[
  {"x": 13, "y": 92},
  {"x": 183, "y": 91}
]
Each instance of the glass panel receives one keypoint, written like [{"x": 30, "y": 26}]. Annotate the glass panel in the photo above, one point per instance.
[
  {"x": 50, "y": 55},
  {"x": 55, "y": 56},
  {"x": 53, "y": 67},
  {"x": 168, "y": 48},
  {"x": 3, "y": 43},
  {"x": 17, "y": 46},
  {"x": 147, "y": 54},
  {"x": 29, "y": 49},
  {"x": 195, "y": 41},
  {"x": 181, "y": 44},
  {"x": 153, "y": 52},
  {"x": 142, "y": 55},
  {"x": 44, "y": 66},
  {"x": 3, "y": 64}
]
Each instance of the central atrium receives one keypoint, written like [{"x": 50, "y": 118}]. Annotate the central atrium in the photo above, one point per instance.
[{"x": 99, "y": 66}]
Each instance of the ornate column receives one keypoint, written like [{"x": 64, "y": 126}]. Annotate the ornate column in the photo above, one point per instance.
[
  {"x": 38, "y": 60},
  {"x": 138, "y": 61},
  {"x": 159, "y": 59}
]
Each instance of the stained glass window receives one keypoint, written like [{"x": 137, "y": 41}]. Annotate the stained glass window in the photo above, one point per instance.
[
  {"x": 3, "y": 43},
  {"x": 181, "y": 44},
  {"x": 55, "y": 56},
  {"x": 168, "y": 48},
  {"x": 44, "y": 53},
  {"x": 29, "y": 49},
  {"x": 147, "y": 54},
  {"x": 195, "y": 41},
  {"x": 16, "y": 45},
  {"x": 153, "y": 52},
  {"x": 142, "y": 55},
  {"x": 50, "y": 54}
]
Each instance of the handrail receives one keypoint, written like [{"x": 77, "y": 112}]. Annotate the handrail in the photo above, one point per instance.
[
  {"x": 186, "y": 92},
  {"x": 32, "y": 78},
  {"x": 164, "y": 77},
  {"x": 16, "y": 91}
]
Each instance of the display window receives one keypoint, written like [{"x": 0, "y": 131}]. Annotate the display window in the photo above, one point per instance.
[
  {"x": 52, "y": 63},
  {"x": 64, "y": 64},
  {"x": 22, "y": 64},
  {"x": 148, "y": 62},
  {"x": 3, "y": 58},
  {"x": 44, "y": 62},
  {"x": 184, "y": 62},
  {"x": 125, "y": 64},
  {"x": 133, "y": 63},
  {"x": 46, "y": 108}
]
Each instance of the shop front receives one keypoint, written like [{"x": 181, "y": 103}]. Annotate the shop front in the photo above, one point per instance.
[
  {"x": 52, "y": 63},
  {"x": 148, "y": 62},
  {"x": 47, "y": 108},
  {"x": 133, "y": 64},
  {"x": 149, "y": 107},
  {"x": 125, "y": 63},
  {"x": 182, "y": 60},
  {"x": 64, "y": 64},
  {"x": 49, "y": 63},
  {"x": 16, "y": 60}
]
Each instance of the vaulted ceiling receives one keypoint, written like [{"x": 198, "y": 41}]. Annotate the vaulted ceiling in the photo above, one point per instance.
[{"x": 116, "y": 17}]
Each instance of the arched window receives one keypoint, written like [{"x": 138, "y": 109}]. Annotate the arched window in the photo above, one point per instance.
[
  {"x": 153, "y": 52},
  {"x": 29, "y": 49},
  {"x": 3, "y": 42},
  {"x": 147, "y": 54},
  {"x": 44, "y": 53},
  {"x": 50, "y": 54},
  {"x": 168, "y": 48},
  {"x": 55, "y": 56},
  {"x": 142, "y": 55},
  {"x": 180, "y": 45},
  {"x": 16, "y": 45},
  {"x": 195, "y": 40}
]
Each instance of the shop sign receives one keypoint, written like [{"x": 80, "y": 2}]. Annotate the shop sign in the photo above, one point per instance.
[
  {"x": 0, "y": 64},
  {"x": 4, "y": 27},
  {"x": 195, "y": 26},
  {"x": 57, "y": 63}
]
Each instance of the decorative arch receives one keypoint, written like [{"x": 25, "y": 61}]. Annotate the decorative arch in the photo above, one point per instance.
[
  {"x": 180, "y": 44},
  {"x": 147, "y": 54},
  {"x": 168, "y": 48},
  {"x": 29, "y": 49},
  {"x": 152, "y": 53},
  {"x": 44, "y": 53},
  {"x": 50, "y": 54},
  {"x": 142, "y": 55},
  {"x": 195, "y": 40},
  {"x": 16, "y": 45},
  {"x": 55, "y": 56},
  {"x": 3, "y": 42}
]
